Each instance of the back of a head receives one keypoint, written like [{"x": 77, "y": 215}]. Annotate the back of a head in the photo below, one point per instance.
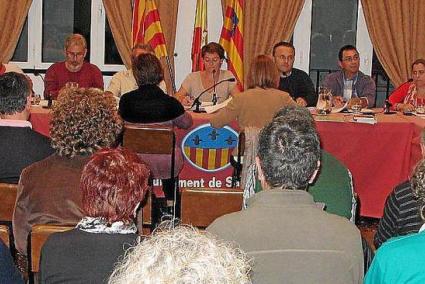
[
  {"x": 83, "y": 121},
  {"x": 147, "y": 70},
  {"x": 113, "y": 183},
  {"x": 14, "y": 91},
  {"x": 289, "y": 149},
  {"x": 263, "y": 73},
  {"x": 182, "y": 255}
]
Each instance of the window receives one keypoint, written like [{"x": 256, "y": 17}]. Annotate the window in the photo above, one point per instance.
[{"x": 50, "y": 21}]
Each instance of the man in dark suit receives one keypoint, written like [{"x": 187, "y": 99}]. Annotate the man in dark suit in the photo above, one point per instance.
[{"x": 20, "y": 146}]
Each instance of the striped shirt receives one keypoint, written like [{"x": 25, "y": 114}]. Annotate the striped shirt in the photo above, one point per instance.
[{"x": 401, "y": 215}]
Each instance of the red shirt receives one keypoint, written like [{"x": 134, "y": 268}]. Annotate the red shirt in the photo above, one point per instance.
[
  {"x": 57, "y": 76},
  {"x": 398, "y": 95}
]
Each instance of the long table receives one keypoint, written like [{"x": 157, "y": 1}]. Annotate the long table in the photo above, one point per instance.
[{"x": 379, "y": 156}]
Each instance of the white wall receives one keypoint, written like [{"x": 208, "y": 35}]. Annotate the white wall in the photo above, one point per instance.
[{"x": 184, "y": 33}]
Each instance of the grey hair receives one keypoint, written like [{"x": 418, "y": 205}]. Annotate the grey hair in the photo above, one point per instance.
[
  {"x": 289, "y": 149},
  {"x": 418, "y": 186},
  {"x": 182, "y": 255},
  {"x": 14, "y": 90}
]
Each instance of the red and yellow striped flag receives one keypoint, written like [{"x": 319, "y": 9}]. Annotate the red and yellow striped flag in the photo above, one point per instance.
[
  {"x": 200, "y": 35},
  {"x": 147, "y": 26},
  {"x": 232, "y": 38}
]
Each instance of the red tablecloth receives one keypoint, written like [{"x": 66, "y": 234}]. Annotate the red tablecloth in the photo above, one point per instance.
[{"x": 379, "y": 156}]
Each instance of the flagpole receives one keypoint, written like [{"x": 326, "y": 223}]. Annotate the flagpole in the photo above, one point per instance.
[{"x": 171, "y": 72}]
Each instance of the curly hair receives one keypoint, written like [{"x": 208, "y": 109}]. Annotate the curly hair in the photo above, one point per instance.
[
  {"x": 182, "y": 255},
  {"x": 418, "y": 186},
  {"x": 113, "y": 182},
  {"x": 14, "y": 91},
  {"x": 83, "y": 121},
  {"x": 289, "y": 149}
]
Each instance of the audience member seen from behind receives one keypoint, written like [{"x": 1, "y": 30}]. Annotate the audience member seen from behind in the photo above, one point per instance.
[
  {"x": 124, "y": 81},
  {"x": 401, "y": 259},
  {"x": 83, "y": 121},
  {"x": 149, "y": 104},
  {"x": 8, "y": 271},
  {"x": 350, "y": 84},
  {"x": 411, "y": 94},
  {"x": 315, "y": 246},
  {"x": 20, "y": 146},
  {"x": 74, "y": 70},
  {"x": 401, "y": 212},
  {"x": 182, "y": 255},
  {"x": 292, "y": 80},
  {"x": 197, "y": 82},
  {"x": 256, "y": 106},
  {"x": 113, "y": 183}
]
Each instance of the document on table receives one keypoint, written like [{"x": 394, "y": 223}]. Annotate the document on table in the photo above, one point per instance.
[{"x": 211, "y": 109}]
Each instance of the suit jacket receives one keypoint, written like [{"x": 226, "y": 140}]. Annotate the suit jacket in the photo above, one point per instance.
[
  {"x": 293, "y": 241},
  {"x": 253, "y": 107},
  {"x": 19, "y": 148},
  {"x": 48, "y": 193},
  {"x": 364, "y": 86}
]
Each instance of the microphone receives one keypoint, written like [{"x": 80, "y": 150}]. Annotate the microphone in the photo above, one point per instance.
[
  {"x": 197, "y": 103},
  {"x": 214, "y": 97}
]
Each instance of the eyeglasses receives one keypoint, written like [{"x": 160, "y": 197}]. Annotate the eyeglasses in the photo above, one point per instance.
[
  {"x": 74, "y": 54},
  {"x": 351, "y": 59}
]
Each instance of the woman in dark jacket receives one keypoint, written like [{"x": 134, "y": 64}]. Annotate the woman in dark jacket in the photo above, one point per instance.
[{"x": 150, "y": 105}]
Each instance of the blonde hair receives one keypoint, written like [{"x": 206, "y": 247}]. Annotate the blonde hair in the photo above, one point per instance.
[
  {"x": 182, "y": 255},
  {"x": 83, "y": 121},
  {"x": 75, "y": 39},
  {"x": 263, "y": 73}
]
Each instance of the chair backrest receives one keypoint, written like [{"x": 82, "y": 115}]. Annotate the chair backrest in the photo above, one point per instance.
[
  {"x": 149, "y": 140},
  {"x": 8, "y": 199},
  {"x": 38, "y": 236},
  {"x": 201, "y": 206},
  {"x": 5, "y": 235}
]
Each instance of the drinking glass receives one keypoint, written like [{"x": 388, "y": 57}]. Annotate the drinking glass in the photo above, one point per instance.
[{"x": 324, "y": 102}]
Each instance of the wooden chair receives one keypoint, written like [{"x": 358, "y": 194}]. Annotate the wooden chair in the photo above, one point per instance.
[
  {"x": 8, "y": 198},
  {"x": 152, "y": 139},
  {"x": 38, "y": 236},
  {"x": 201, "y": 206},
  {"x": 5, "y": 234}
]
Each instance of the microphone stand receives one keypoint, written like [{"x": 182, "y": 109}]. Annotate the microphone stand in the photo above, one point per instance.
[
  {"x": 48, "y": 97},
  {"x": 197, "y": 102},
  {"x": 214, "y": 96}
]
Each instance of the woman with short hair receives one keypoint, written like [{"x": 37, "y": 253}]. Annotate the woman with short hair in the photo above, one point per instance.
[{"x": 113, "y": 183}]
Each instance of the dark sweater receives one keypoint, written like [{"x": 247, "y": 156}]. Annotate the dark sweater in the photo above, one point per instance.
[
  {"x": 401, "y": 215},
  {"x": 8, "y": 271},
  {"x": 79, "y": 257},
  {"x": 149, "y": 104},
  {"x": 299, "y": 85},
  {"x": 19, "y": 148}
]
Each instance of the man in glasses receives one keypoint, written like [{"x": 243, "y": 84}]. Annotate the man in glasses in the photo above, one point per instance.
[
  {"x": 349, "y": 82},
  {"x": 292, "y": 80},
  {"x": 73, "y": 71}
]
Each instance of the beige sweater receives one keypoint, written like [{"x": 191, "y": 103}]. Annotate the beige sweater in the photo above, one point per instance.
[{"x": 253, "y": 107}]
